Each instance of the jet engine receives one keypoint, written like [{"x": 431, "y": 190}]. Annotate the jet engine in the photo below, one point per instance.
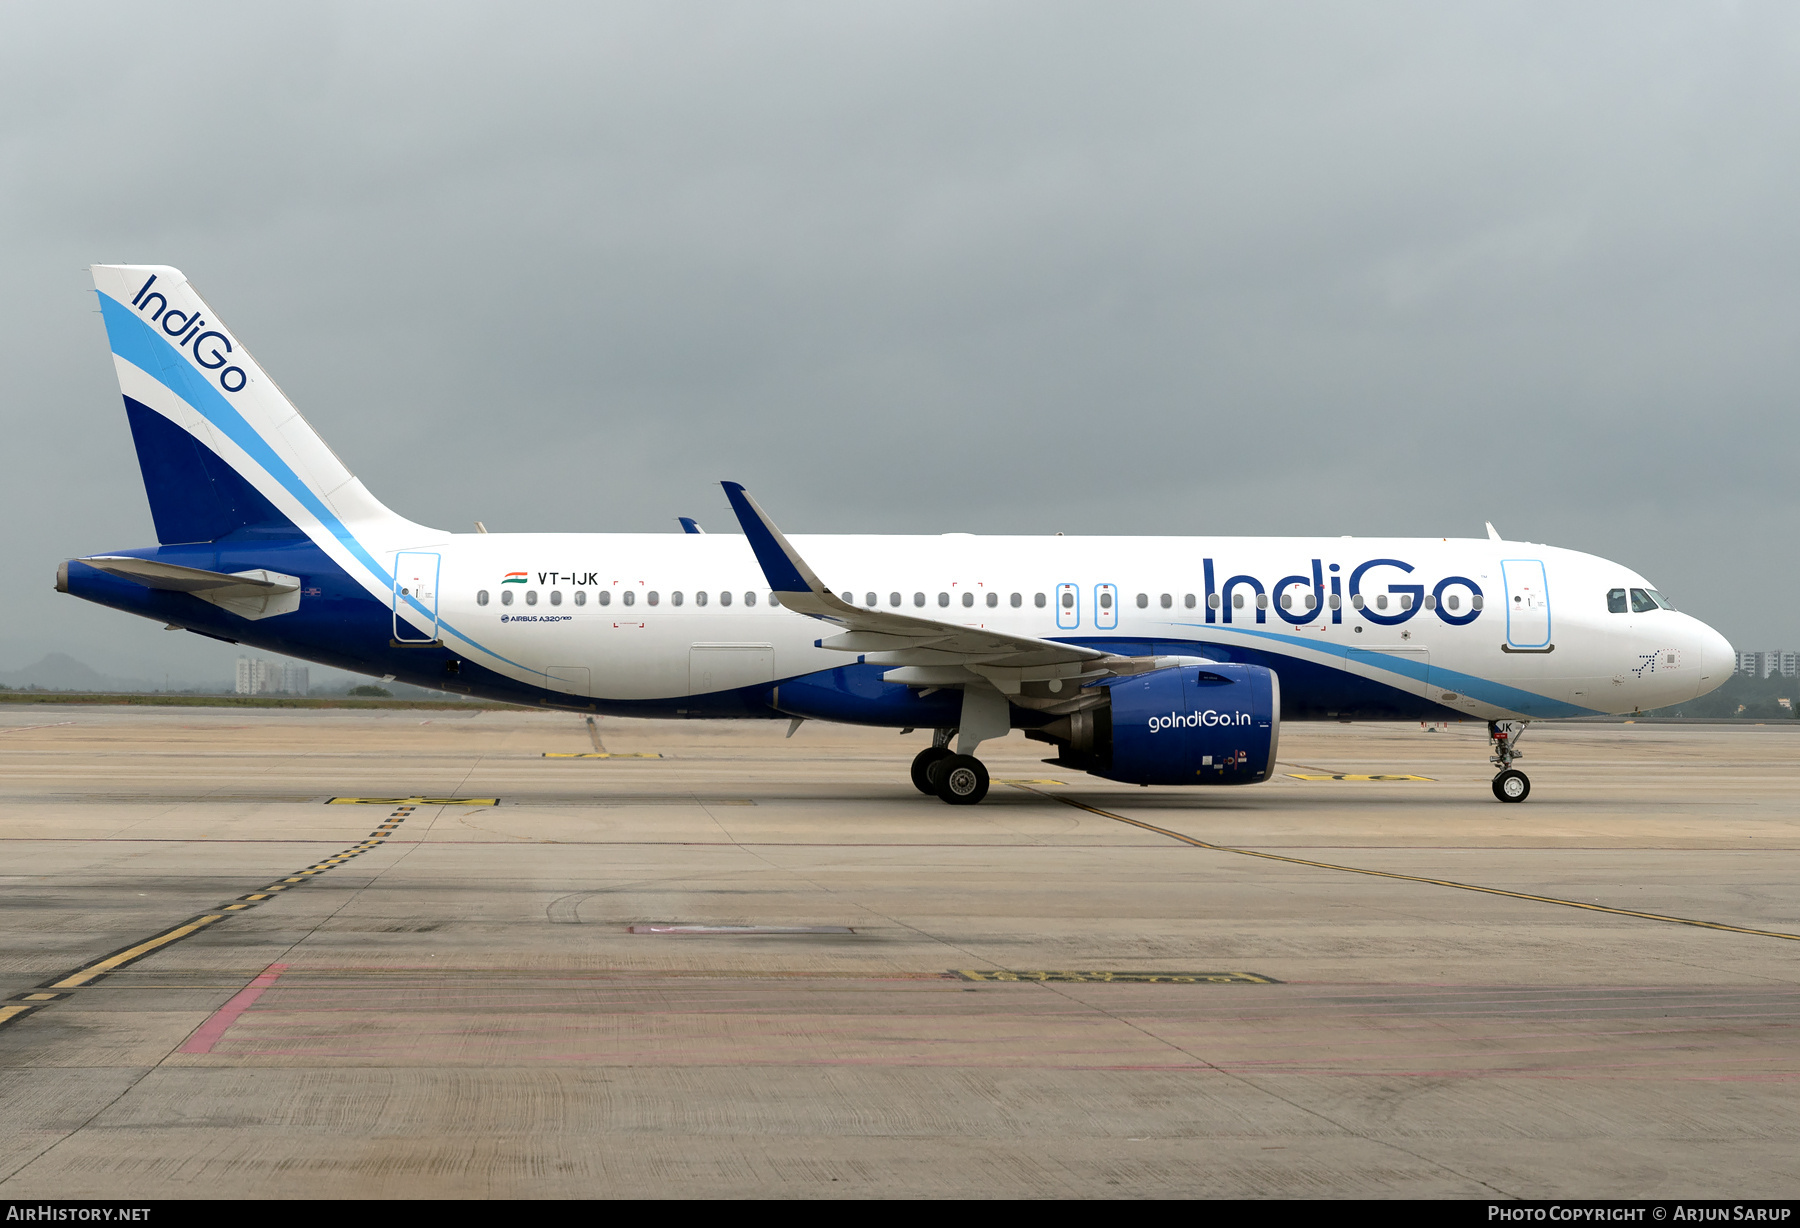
[{"x": 1213, "y": 724}]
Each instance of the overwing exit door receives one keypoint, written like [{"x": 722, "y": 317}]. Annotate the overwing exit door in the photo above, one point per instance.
[{"x": 415, "y": 597}]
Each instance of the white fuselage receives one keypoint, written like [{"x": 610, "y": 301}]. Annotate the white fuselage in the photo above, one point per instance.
[{"x": 632, "y": 617}]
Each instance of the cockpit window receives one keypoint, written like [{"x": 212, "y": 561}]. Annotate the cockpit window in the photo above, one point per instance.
[
  {"x": 1660, "y": 600},
  {"x": 1643, "y": 600},
  {"x": 1615, "y": 601}
]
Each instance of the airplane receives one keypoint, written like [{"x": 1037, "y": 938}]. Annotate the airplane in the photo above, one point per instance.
[{"x": 1143, "y": 660}]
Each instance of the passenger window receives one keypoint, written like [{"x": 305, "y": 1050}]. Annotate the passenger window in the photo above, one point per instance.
[
  {"x": 894, "y": 600},
  {"x": 1105, "y": 600},
  {"x": 1475, "y": 602},
  {"x": 1381, "y": 601},
  {"x": 1312, "y": 601},
  {"x": 1018, "y": 599},
  {"x": 1335, "y": 601},
  {"x": 918, "y": 599},
  {"x": 724, "y": 597},
  {"x": 1356, "y": 601},
  {"x": 1615, "y": 601},
  {"x": 581, "y": 597},
  {"x": 556, "y": 596},
  {"x": 1039, "y": 601},
  {"x": 993, "y": 600},
  {"x": 1068, "y": 601},
  {"x": 1641, "y": 601},
  {"x": 1287, "y": 601},
  {"x": 968, "y": 600},
  {"x": 1406, "y": 601},
  {"x": 1237, "y": 601},
  {"x": 749, "y": 599},
  {"x": 652, "y": 597},
  {"x": 1212, "y": 600},
  {"x": 628, "y": 597},
  {"x": 1262, "y": 601},
  {"x": 604, "y": 596},
  {"x": 849, "y": 599},
  {"x": 481, "y": 597},
  {"x": 871, "y": 600},
  {"x": 1188, "y": 601},
  {"x": 506, "y": 596},
  {"x": 774, "y": 601},
  {"x": 699, "y": 597},
  {"x": 531, "y": 596},
  {"x": 1167, "y": 601},
  {"x": 1453, "y": 601},
  {"x": 674, "y": 597},
  {"x": 1430, "y": 602},
  {"x": 943, "y": 599},
  {"x": 1143, "y": 601}
]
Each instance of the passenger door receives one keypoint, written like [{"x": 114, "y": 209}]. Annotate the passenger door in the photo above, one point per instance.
[
  {"x": 415, "y": 591},
  {"x": 1527, "y": 603}
]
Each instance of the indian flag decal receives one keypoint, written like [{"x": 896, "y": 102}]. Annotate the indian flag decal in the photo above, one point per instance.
[{"x": 514, "y": 577}]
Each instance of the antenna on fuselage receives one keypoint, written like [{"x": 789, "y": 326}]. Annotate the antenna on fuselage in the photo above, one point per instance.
[{"x": 1493, "y": 534}]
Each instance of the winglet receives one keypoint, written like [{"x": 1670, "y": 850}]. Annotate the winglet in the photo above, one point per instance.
[
  {"x": 782, "y": 565},
  {"x": 689, "y": 524}
]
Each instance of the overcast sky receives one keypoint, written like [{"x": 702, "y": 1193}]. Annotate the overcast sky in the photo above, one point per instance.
[{"x": 1101, "y": 268}]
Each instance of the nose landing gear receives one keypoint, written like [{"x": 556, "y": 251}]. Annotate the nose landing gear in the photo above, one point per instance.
[{"x": 1510, "y": 784}]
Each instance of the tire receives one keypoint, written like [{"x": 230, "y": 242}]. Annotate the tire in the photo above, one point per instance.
[
  {"x": 1512, "y": 785},
  {"x": 961, "y": 780},
  {"x": 921, "y": 768}
]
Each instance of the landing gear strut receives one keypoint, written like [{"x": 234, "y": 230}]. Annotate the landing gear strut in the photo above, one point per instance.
[{"x": 1510, "y": 784}]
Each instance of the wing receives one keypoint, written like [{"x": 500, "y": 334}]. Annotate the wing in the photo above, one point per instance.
[{"x": 924, "y": 651}]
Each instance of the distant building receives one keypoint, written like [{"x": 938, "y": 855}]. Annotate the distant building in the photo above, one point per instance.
[
  {"x": 1770, "y": 663},
  {"x": 257, "y": 677}
]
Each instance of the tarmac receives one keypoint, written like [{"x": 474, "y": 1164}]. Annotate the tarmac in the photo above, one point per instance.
[{"x": 768, "y": 967}]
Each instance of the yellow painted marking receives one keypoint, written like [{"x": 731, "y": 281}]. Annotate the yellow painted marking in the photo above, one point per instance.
[
  {"x": 102, "y": 967},
  {"x": 1123, "y": 978},
  {"x": 421, "y": 801},
  {"x": 261, "y": 895},
  {"x": 1034, "y": 782},
  {"x": 1416, "y": 878},
  {"x": 235, "y": 907},
  {"x": 1351, "y": 776},
  {"x": 608, "y": 754},
  {"x": 12, "y": 1010},
  {"x": 41, "y": 997}
]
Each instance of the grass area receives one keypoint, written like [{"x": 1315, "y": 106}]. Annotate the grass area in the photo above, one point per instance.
[{"x": 243, "y": 701}]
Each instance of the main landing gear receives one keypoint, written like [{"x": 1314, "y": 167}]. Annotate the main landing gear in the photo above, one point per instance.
[
  {"x": 1510, "y": 784},
  {"x": 961, "y": 780}
]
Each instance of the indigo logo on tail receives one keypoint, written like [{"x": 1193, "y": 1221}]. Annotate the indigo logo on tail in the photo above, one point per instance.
[{"x": 187, "y": 327}]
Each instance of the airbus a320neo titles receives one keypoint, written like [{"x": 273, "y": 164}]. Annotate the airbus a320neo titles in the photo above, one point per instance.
[{"x": 1150, "y": 660}]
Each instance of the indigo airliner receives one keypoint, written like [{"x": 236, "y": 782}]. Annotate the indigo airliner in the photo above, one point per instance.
[{"x": 1148, "y": 660}]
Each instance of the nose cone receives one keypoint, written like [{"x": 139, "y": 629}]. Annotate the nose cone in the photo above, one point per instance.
[{"x": 1714, "y": 656}]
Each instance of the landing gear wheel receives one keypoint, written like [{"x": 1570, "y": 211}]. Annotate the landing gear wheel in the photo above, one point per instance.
[
  {"x": 921, "y": 768},
  {"x": 1512, "y": 785},
  {"x": 961, "y": 780}
]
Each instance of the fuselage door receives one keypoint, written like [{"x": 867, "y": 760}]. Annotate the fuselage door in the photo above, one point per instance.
[
  {"x": 1106, "y": 606},
  {"x": 1527, "y": 603},
  {"x": 415, "y": 597},
  {"x": 1068, "y": 607}
]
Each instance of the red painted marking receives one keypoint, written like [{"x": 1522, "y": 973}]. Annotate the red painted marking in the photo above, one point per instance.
[{"x": 209, "y": 1033}]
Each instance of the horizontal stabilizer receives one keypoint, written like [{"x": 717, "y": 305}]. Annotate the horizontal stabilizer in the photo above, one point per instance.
[{"x": 251, "y": 594}]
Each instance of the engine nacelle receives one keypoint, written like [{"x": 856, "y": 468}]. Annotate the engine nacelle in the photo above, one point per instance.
[{"x": 1216, "y": 724}]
